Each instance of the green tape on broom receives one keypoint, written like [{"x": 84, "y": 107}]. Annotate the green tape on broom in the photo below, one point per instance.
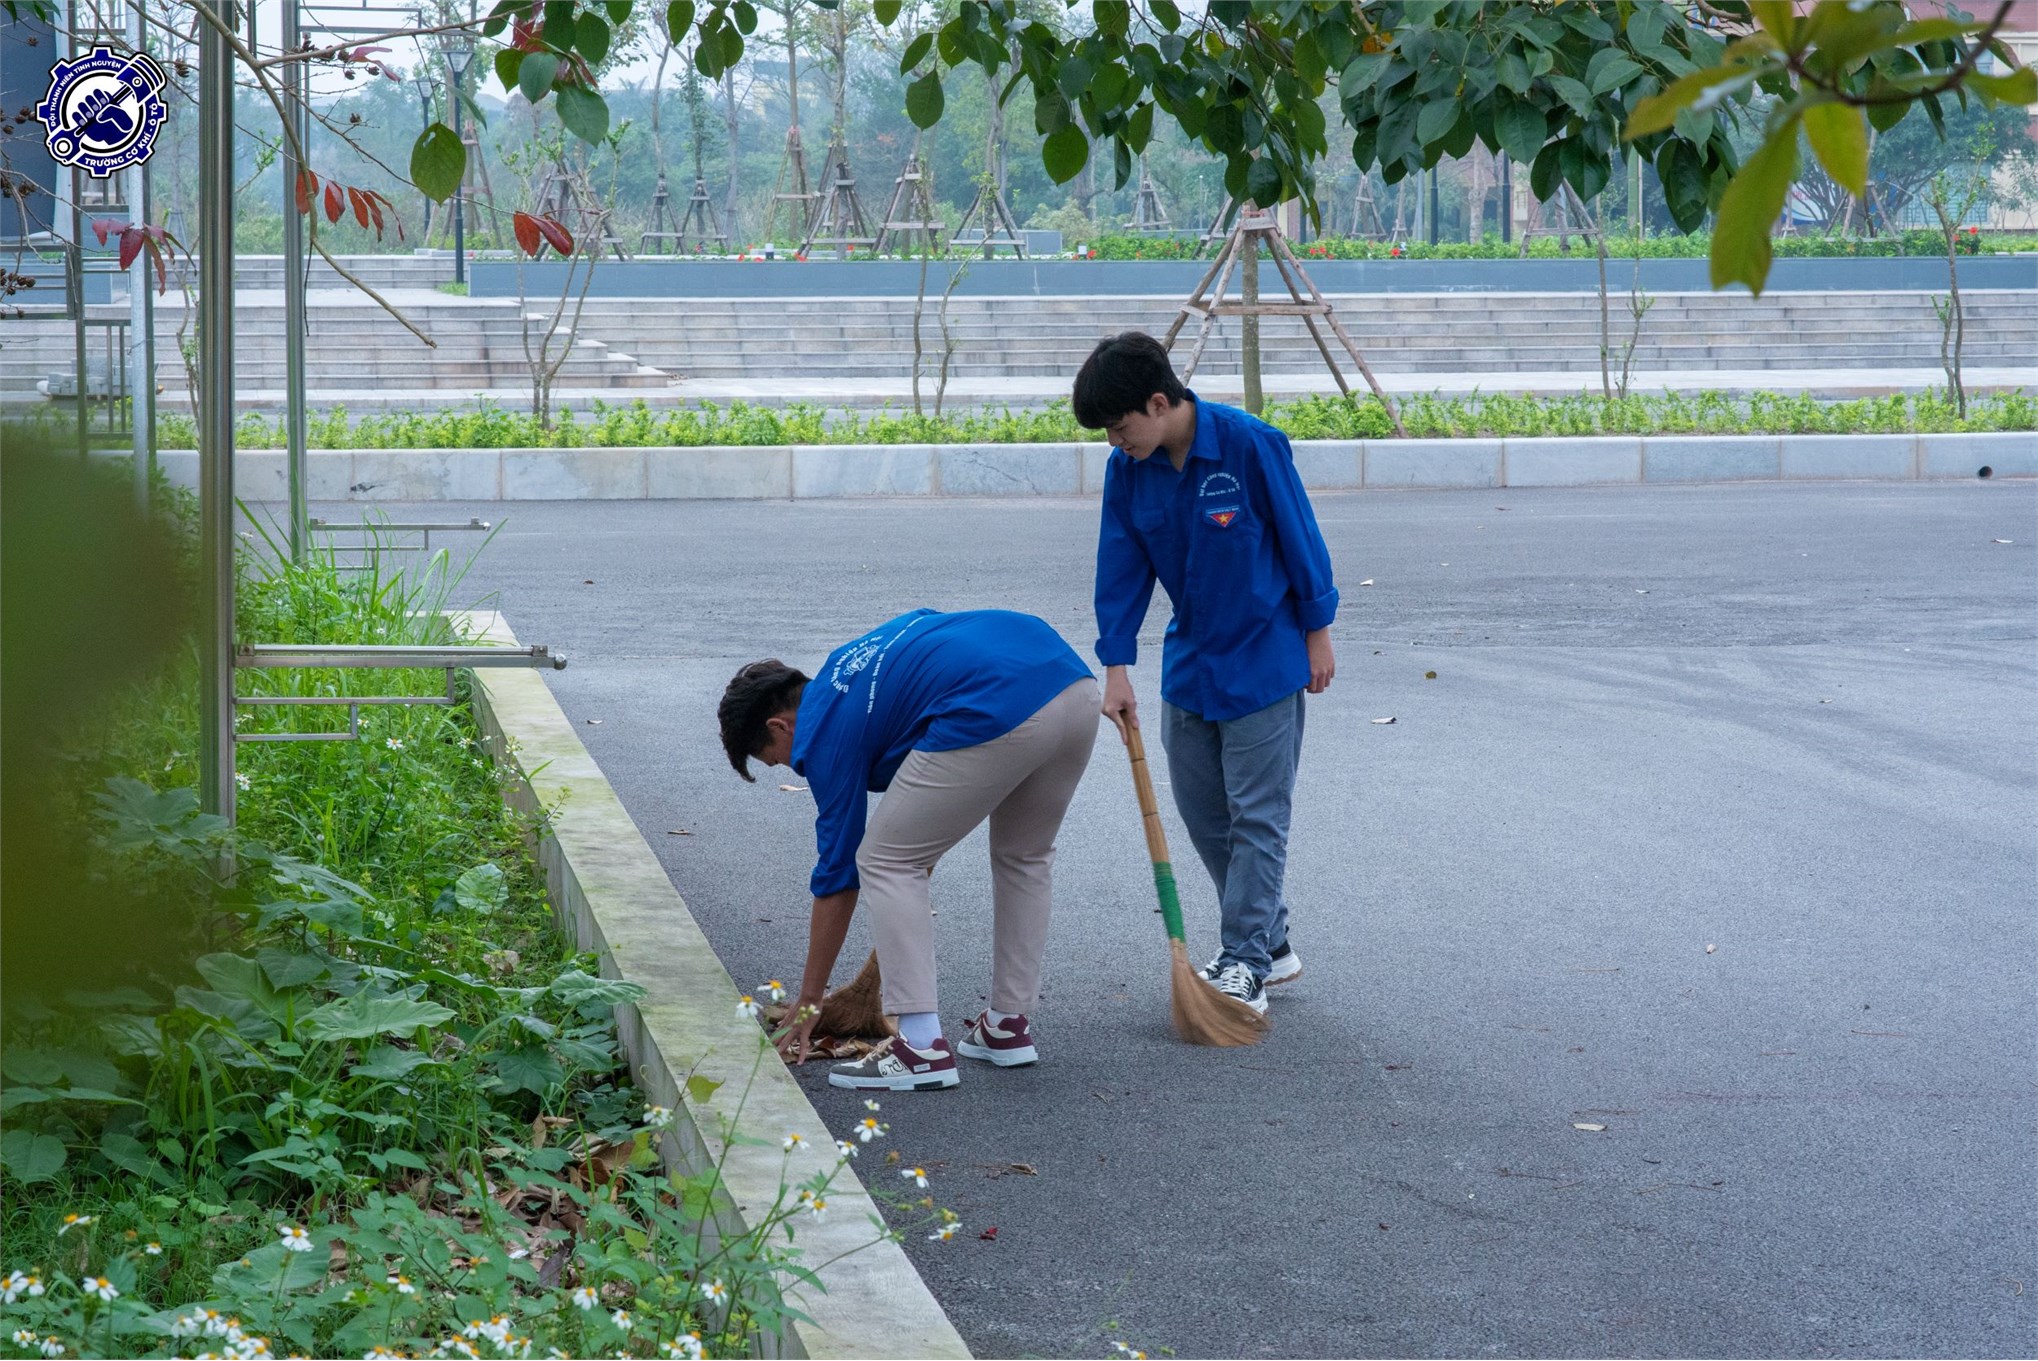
[{"x": 1171, "y": 902}]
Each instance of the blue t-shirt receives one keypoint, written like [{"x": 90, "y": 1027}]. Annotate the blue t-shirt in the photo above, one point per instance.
[
  {"x": 1232, "y": 539},
  {"x": 925, "y": 681}
]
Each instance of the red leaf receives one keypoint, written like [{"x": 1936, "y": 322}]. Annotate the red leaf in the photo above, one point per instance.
[
  {"x": 360, "y": 206},
  {"x": 526, "y": 228},
  {"x": 375, "y": 210},
  {"x": 990, "y": 1235},
  {"x": 336, "y": 202},
  {"x": 103, "y": 225},
  {"x": 363, "y": 53},
  {"x": 131, "y": 239},
  {"x": 307, "y": 190},
  {"x": 162, "y": 269},
  {"x": 561, "y": 239}
]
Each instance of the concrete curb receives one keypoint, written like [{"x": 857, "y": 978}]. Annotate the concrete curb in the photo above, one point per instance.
[
  {"x": 826, "y": 471},
  {"x": 612, "y": 895}
]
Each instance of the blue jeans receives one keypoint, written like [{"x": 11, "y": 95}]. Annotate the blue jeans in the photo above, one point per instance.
[{"x": 1234, "y": 786}]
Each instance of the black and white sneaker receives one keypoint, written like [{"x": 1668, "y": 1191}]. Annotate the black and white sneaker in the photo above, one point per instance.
[
  {"x": 1285, "y": 968},
  {"x": 1237, "y": 982}
]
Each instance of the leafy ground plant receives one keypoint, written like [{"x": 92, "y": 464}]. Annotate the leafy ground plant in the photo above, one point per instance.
[
  {"x": 359, "y": 1097},
  {"x": 1474, "y": 414}
]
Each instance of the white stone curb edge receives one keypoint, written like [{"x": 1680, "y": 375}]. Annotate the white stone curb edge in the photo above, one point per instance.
[{"x": 809, "y": 472}]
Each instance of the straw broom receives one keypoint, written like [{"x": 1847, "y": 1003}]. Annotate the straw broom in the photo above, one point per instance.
[{"x": 1202, "y": 1014}]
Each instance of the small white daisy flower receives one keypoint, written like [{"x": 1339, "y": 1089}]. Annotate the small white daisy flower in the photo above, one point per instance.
[
  {"x": 394, "y": 744},
  {"x": 73, "y": 1222},
  {"x": 792, "y": 1141},
  {"x": 51, "y": 1347},
  {"x": 747, "y": 1006},
  {"x": 402, "y": 1284},
  {"x": 944, "y": 1233},
  {"x": 869, "y": 1104},
  {"x": 714, "y": 1291},
  {"x": 154, "y": 1249},
  {"x": 774, "y": 989},
  {"x": 869, "y": 1129},
  {"x": 586, "y": 1297},
  {"x": 621, "y": 1318},
  {"x": 242, "y": 782},
  {"x": 657, "y": 1117},
  {"x": 916, "y": 1175},
  {"x": 98, "y": 1285},
  {"x": 844, "y": 1150},
  {"x": 294, "y": 1238},
  {"x": 13, "y": 1288}
]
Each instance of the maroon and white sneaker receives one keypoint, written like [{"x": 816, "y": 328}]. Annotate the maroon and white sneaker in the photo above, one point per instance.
[
  {"x": 1009, "y": 1044},
  {"x": 896, "y": 1066}
]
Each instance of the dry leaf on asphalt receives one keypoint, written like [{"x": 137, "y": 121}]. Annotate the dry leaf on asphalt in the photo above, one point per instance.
[
  {"x": 679, "y": 831},
  {"x": 1384, "y": 720},
  {"x": 1429, "y": 675},
  {"x": 1587, "y": 1126}
]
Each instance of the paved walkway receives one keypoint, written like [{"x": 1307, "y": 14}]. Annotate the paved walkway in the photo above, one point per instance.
[
  {"x": 1714, "y": 830},
  {"x": 870, "y": 394}
]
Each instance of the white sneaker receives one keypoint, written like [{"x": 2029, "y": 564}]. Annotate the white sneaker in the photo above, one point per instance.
[{"x": 1285, "y": 968}]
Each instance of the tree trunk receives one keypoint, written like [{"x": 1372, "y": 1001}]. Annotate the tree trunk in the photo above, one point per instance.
[
  {"x": 734, "y": 130},
  {"x": 1249, "y": 325}
]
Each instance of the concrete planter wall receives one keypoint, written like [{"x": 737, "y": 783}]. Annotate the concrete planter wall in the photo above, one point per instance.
[
  {"x": 819, "y": 471},
  {"x": 650, "y": 277}
]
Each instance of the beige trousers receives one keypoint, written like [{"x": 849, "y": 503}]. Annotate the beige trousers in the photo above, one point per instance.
[{"x": 1022, "y": 782}]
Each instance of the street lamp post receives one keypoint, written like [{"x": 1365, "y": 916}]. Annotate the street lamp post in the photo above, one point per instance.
[
  {"x": 423, "y": 81},
  {"x": 457, "y": 46}
]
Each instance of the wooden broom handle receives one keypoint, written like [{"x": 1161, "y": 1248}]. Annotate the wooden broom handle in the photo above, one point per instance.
[{"x": 1142, "y": 782}]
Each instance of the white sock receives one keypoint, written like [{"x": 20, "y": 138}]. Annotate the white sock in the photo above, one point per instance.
[
  {"x": 920, "y": 1028},
  {"x": 998, "y": 1018}
]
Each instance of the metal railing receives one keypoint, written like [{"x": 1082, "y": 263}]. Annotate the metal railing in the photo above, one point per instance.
[{"x": 336, "y": 656}]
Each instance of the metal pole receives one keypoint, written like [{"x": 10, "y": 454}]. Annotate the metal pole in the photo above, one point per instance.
[
  {"x": 216, "y": 410},
  {"x": 293, "y": 293},
  {"x": 1433, "y": 205},
  {"x": 141, "y": 312},
  {"x": 459, "y": 71}
]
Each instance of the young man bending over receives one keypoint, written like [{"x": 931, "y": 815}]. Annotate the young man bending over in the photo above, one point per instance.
[
  {"x": 1205, "y": 499},
  {"x": 955, "y": 718}
]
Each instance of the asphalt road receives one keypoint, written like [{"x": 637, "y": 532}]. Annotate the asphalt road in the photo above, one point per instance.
[{"x": 1715, "y": 829}]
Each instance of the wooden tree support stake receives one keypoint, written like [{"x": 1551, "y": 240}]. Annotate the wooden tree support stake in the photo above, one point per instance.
[{"x": 1208, "y": 304}]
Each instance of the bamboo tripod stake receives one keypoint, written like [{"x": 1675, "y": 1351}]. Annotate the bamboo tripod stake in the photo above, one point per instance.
[{"x": 1253, "y": 223}]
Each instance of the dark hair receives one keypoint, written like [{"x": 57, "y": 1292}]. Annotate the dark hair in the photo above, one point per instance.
[
  {"x": 760, "y": 691},
  {"x": 1122, "y": 374}
]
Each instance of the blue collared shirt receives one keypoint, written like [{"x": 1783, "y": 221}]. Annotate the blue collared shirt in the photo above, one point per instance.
[
  {"x": 1233, "y": 541},
  {"x": 924, "y": 681}
]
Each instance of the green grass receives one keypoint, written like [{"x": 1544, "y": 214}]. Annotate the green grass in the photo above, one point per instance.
[
  {"x": 1434, "y": 415},
  {"x": 370, "y": 1029}
]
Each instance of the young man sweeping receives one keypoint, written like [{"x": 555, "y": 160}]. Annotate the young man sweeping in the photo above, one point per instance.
[
  {"x": 955, "y": 718},
  {"x": 1205, "y": 499}
]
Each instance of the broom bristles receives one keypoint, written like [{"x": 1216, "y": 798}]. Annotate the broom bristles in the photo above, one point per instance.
[
  {"x": 857, "y": 1007},
  {"x": 1203, "y": 1015}
]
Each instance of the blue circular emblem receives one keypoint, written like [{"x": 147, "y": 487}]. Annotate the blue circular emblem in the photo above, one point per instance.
[{"x": 103, "y": 110}]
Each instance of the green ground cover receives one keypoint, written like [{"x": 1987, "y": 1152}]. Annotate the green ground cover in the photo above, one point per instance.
[
  {"x": 1426, "y": 416},
  {"x": 335, "y": 1084},
  {"x": 1669, "y": 246}
]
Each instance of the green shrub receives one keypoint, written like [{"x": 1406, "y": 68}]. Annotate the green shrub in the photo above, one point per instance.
[{"x": 367, "y": 1099}]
